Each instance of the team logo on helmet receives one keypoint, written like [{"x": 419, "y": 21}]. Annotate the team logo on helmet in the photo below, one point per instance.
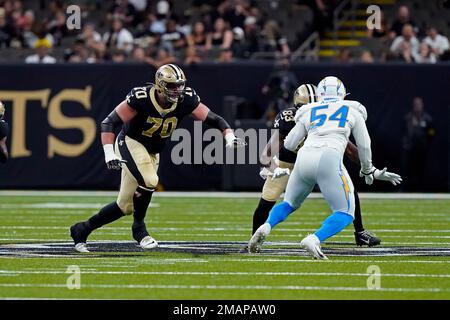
[
  {"x": 331, "y": 87},
  {"x": 170, "y": 81},
  {"x": 306, "y": 93}
]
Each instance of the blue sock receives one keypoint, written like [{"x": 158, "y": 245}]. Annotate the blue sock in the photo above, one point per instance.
[
  {"x": 279, "y": 213},
  {"x": 333, "y": 225}
]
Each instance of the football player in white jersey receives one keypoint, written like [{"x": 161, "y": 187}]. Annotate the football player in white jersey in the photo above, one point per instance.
[{"x": 327, "y": 125}]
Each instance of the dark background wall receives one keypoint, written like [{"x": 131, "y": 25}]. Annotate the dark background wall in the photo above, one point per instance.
[{"x": 386, "y": 91}]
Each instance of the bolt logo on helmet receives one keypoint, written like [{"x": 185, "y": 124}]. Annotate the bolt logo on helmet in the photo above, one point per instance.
[
  {"x": 306, "y": 93},
  {"x": 170, "y": 81},
  {"x": 331, "y": 87},
  {"x": 2, "y": 110}
]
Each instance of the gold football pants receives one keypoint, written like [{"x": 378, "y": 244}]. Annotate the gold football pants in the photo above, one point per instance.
[
  {"x": 140, "y": 170},
  {"x": 272, "y": 189}
]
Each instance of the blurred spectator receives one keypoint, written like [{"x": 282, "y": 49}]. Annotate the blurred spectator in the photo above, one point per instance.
[
  {"x": 221, "y": 36},
  {"x": 273, "y": 40},
  {"x": 119, "y": 37},
  {"x": 100, "y": 53},
  {"x": 403, "y": 18},
  {"x": 191, "y": 56},
  {"x": 382, "y": 34},
  {"x": 157, "y": 24},
  {"x": 425, "y": 55},
  {"x": 234, "y": 12},
  {"x": 418, "y": 133},
  {"x": 252, "y": 32},
  {"x": 79, "y": 52},
  {"x": 406, "y": 46},
  {"x": 345, "y": 55},
  {"x": 91, "y": 36},
  {"x": 279, "y": 88},
  {"x": 438, "y": 43},
  {"x": 172, "y": 37},
  {"x": 225, "y": 56},
  {"x": 366, "y": 57},
  {"x": 123, "y": 10},
  {"x": 118, "y": 56},
  {"x": 198, "y": 36},
  {"x": 163, "y": 56},
  {"x": 138, "y": 54},
  {"x": 38, "y": 31},
  {"x": 239, "y": 45},
  {"x": 42, "y": 47},
  {"x": 139, "y": 5},
  {"x": 322, "y": 13},
  {"x": 163, "y": 7},
  {"x": 57, "y": 27},
  {"x": 54, "y": 7},
  {"x": 6, "y": 30}
]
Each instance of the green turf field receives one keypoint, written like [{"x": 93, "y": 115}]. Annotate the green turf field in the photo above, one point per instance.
[{"x": 29, "y": 268}]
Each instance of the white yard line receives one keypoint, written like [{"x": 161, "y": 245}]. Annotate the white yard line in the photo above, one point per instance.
[
  {"x": 223, "y": 287},
  {"x": 171, "y": 273},
  {"x": 205, "y": 194},
  {"x": 111, "y": 229},
  {"x": 409, "y": 243}
]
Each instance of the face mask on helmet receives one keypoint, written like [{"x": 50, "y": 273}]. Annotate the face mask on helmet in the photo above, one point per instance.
[{"x": 173, "y": 91}]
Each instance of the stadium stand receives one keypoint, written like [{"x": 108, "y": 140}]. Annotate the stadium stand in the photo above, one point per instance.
[{"x": 324, "y": 30}]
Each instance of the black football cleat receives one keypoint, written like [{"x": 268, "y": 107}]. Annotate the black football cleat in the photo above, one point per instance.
[
  {"x": 365, "y": 238},
  {"x": 79, "y": 233}
]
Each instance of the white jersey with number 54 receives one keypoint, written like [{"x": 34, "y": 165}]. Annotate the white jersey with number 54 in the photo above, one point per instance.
[{"x": 328, "y": 123}]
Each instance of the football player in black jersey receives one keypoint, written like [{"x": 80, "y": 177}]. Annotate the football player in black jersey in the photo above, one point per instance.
[
  {"x": 148, "y": 117},
  {"x": 3, "y": 135},
  {"x": 273, "y": 188}
]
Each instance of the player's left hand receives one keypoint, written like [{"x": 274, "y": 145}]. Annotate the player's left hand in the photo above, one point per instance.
[
  {"x": 384, "y": 175},
  {"x": 265, "y": 173},
  {"x": 280, "y": 172},
  {"x": 233, "y": 142}
]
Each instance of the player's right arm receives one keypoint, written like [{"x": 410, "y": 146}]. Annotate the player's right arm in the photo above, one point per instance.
[
  {"x": 4, "y": 130},
  {"x": 3, "y": 151},
  {"x": 363, "y": 142},
  {"x": 123, "y": 113}
]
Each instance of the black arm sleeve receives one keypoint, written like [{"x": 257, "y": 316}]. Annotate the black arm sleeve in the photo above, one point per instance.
[
  {"x": 4, "y": 129},
  {"x": 216, "y": 121},
  {"x": 3, "y": 156},
  {"x": 111, "y": 122}
]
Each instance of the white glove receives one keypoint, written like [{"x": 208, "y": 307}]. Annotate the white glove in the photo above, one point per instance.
[
  {"x": 280, "y": 172},
  {"x": 113, "y": 162},
  {"x": 383, "y": 175},
  {"x": 233, "y": 142},
  {"x": 264, "y": 173}
]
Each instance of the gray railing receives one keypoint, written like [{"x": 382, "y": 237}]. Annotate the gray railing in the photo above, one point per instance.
[
  {"x": 341, "y": 15},
  {"x": 308, "y": 50}
]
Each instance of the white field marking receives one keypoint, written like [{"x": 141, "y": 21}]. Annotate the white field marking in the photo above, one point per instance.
[
  {"x": 40, "y": 298},
  {"x": 110, "y": 228},
  {"x": 76, "y": 256},
  {"x": 155, "y": 230},
  {"x": 263, "y": 259},
  {"x": 229, "y": 235},
  {"x": 218, "y": 213},
  {"x": 60, "y": 205},
  {"x": 219, "y": 273},
  {"x": 221, "y": 287},
  {"x": 202, "y": 194}
]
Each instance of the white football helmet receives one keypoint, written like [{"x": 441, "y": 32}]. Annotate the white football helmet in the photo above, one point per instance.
[{"x": 331, "y": 87}]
